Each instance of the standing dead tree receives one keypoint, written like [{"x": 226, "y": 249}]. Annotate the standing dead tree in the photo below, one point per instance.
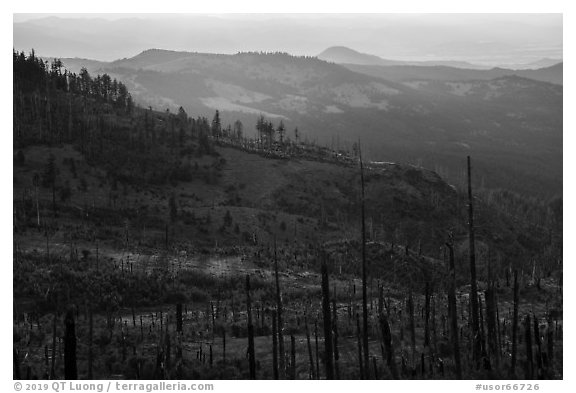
[
  {"x": 387, "y": 338},
  {"x": 476, "y": 335},
  {"x": 90, "y": 342},
  {"x": 178, "y": 318},
  {"x": 327, "y": 320},
  {"x": 515, "y": 326},
  {"x": 251, "y": 356},
  {"x": 317, "y": 349},
  {"x": 528, "y": 345},
  {"x": 308, "y": 343},
  {"x": 364, "y": 291},
  {"x": 492, "y": 335},
  {"x": 452, "y": 311},
  {"x": 275, "y": 345},
  {"x": 70, "y": 369},
  {"x": 538, "y": 342},
  {"x": 550, "y": 346},
  {"x": 292, "y": 357},
  {"x": 412, "y": 326},
  {"x": 427, "y": 315},
  {"x": 16, "y": 362},
  {"x": 53, "y": 359},
  {"x": 281, "y": 355},
  {"x": 335, "y": 332},
  {"x": 359, "y": 336}
]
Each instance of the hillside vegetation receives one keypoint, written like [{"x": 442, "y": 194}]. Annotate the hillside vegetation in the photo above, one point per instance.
[
  {"x": 135, "y": 230},
  {"x": 428, "y": 116}
]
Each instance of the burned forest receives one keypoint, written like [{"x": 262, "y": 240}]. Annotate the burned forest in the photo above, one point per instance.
[{"x": 156, "y": 243}]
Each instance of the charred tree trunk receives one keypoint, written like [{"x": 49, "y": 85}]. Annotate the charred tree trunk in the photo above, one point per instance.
[
  {"x": 292, "y": 357},
  {"x": 90, "y": 339},
  {"x": 251, "y": 355},
  {"x": 70, "y": 369},
  {"x": 538, "y": 342},
  {"x": 427, "y": 316},
  {"x": 528, "y": 343},
  {"x": 412, "y": 326},
  {"x": 168, "y": 352},
  {"x": 434, "y": 326},
  {"x": 550, "y": 346},
  {"x": 224, "y": 345},
  {"x": 359, "y": 336},
  {"x": 476, "y": 337},
  {"x": 281, "y": 355},
  {"x": 387, "y": 338},
  {"x": 54, "y": 208},
  {"x": 16, "y": 361},
  {"x": 275, "y": 345},
  {"x": 484, "y": 354},
  {"x": 515, "y": 326},
  {"x": 178, "y": 318},
  {"x": 335, "y": 332},
  {"x": 211, "y": 356},
  {"x": 327, "y": 321},
  {"x": 364, "y": 291},
  {"x": 375, "y": 364},
  {"x": 317, "y": 350},
  {"x": 166, "y": 235},
  {"x": 492, "y": 335},
  {"x": 308, "y": 343},
  {"x": 453, "y": 313},
  {"x": 36, "y": 180},
  {"x": 53, "y": 361}
]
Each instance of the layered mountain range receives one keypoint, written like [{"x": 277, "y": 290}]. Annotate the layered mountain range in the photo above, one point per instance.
[{"x": 429, "y": 115}]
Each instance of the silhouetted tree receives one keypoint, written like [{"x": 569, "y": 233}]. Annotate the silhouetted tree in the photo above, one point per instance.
[
  {"x": 216, "y": 127},
  {"x": 281, "y": 131}
]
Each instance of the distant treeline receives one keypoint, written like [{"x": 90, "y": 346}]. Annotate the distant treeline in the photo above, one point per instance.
[
  {"x": 97, "y": 115},
  {"x": 32, "y": 73}
]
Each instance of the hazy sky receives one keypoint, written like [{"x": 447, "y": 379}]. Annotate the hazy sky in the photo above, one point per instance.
[{"x": 481, "y": 38}]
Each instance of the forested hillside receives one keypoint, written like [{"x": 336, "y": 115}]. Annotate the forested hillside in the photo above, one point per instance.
[
  {"x": 511, "y": 124},
  {"x": 158, "y": 244}
]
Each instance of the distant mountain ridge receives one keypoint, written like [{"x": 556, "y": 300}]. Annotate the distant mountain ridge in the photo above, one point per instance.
[
  {"x": 513, "y": 125},
  {"x": 542, "y": 63},
  {"x": 344, "y": 55},
  {"x": 409, "y": 73},
  {"x": 545, "y": 70}
]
